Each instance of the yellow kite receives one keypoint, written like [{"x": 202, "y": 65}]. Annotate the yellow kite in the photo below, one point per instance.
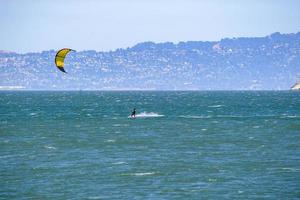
[{"x": 60, "y": 57}]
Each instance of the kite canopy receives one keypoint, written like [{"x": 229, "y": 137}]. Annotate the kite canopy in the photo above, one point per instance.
[{"x": 60, "y": 57}]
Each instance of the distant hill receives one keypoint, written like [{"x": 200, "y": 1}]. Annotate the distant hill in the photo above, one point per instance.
[{"x": 262, "y": 63}]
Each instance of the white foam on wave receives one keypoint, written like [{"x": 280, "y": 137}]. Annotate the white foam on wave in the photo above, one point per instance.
[
  {"x": 287, "y": 169},
  {"x": 120, "y": 125},
  {"x": 49, "y": 147},
  {"x": 290, "y": 116},
  {"x": 147, "y": 114},
  {"x": 87, "y": 109},
  {"x": 143, "y": 174},
  {"x": 110, "y": 141},
  {"x": 216, "y": 106},
  {"x": 290, "y": 169},
  {"x": 32, "y": 114}
]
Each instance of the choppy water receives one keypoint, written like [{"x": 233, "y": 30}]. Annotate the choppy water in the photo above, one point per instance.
[{"x": 183, "y": 145}]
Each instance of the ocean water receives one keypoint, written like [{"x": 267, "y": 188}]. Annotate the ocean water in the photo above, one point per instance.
[{"x": 182, "y": 145}]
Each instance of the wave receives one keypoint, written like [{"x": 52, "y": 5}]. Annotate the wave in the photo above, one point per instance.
[
  {"x": 216, "y": 106},
  {"x": 143, "y": 174},
  {"x": 236, "y": 116},
  {"x": 32, "y": 114},
  {"x": 95, "y": 197},
  {"x": 120, "y": 125},
  {"x": 290, "y": 169},
  {"x": 194, "y": 117},
  {"x": 153, "y": 114},
  {"x": 146, "y": 114},
  {"x": 139, "y": 174},
  {"x": 257, "y": 116},
  {"x": 110, "y": 141},
  {"x": 119, "y": 163},
  {"x": 49, "y": 147},
  {"x": 290, "y": 116}
]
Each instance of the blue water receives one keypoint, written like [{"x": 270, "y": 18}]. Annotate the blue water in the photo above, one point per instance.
[{"x": 182, "y": 145}]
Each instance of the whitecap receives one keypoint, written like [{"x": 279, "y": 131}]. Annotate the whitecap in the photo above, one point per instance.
[
  {"x": 32, "y": 114},
  {"x": 290, "y": 116},
  {"x": 143, "y": 174},
  {"x": 290, "y": 169},
  {"x": 86, "y": 109},
  {"x": 215, "y": 106},
  {"x": 49, "y": 147},
  {"x": 119, "y": 125}
]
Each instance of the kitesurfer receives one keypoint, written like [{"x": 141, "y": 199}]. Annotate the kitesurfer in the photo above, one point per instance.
[{"x": 133, "y": 113}]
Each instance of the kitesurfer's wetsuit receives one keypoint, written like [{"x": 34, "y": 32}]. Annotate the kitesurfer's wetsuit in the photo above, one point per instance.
[{"x": 133, "y": 113}]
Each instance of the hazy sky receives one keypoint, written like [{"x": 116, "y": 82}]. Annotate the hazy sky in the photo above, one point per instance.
[{"x": 36, "y": 25}]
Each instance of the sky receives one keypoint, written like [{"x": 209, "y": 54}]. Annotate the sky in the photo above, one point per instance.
[{"x": 104, "y": 25}]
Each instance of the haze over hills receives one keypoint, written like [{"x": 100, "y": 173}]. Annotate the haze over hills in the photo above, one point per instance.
[{"x": 261, "y": 63}]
